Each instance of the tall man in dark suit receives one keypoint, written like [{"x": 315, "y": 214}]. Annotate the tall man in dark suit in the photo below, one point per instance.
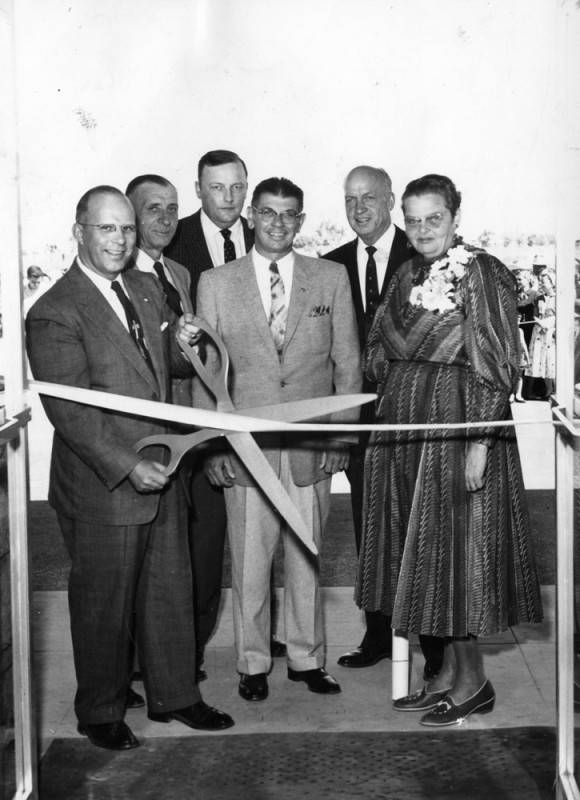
[
  {"x": 122, "y": 519},
  {"x": 214, "y": 235},
  {"x": 371, "y": 261}
]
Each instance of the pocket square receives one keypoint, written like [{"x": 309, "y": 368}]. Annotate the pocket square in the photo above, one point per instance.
[
  {"x": 319, "y": 311},
  {"x": 163, "y": 326}
]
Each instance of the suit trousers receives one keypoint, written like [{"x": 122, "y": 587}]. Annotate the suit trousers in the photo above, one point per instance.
[
  {"x": 254, "y": 530},
  {"x": 207, "y": 535},
  {"x": 130, "y": 582}
]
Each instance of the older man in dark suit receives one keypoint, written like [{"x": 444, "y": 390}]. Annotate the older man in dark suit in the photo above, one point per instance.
[
  {"x": 371, "y": 261},
  {"x": 122, "y": 519}
]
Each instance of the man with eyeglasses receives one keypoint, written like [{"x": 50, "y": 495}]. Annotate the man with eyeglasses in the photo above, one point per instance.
[
  {"x": 371, "y": 260},
  {"x": 288, "y": 324},
  {"x": 123, "y": 521}
]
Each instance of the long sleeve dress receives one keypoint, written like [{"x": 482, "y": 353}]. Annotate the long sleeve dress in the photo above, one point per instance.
[{"x": 439, "y": 559}]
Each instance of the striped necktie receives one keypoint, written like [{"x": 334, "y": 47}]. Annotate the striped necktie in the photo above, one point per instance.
[
  {"x": 278, "y": 308},
  {"x": 133, "y": 323}
]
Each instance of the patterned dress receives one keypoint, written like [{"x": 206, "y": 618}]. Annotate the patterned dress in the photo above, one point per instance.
[{"x": 439, "y": 559}]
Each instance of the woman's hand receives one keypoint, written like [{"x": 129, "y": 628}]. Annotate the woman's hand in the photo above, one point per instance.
[{"x": 475, "y": 463}]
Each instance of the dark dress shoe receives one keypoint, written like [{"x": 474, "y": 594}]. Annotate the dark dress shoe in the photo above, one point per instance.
[
  {"x": 277, "y": 649},
  {"x": 317, "y": 680},
  {"x": 420, "y": 701},
  {"x": 449, "y": 713},
  {"x": 363, "y": 658},
  {"x": 110, "y": 735},
  {"x": 253, "y": 687},
  {"x": 199, "y": 716},
  {"x": 134, "y": 700}
]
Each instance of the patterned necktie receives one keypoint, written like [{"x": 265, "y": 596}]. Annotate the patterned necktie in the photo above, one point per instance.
[
  {"x": 133, "y": 322},
  {"x": 278, "y": 310},
  {"x": 171, "y": 292},
  {"x": 371, "y": 286},
  {"x": 229, "y": 246}
]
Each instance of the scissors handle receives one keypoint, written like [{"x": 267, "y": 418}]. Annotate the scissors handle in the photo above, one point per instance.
[
  {"x": 177, "y": 444},
  {"x": 217, "y": 383}
]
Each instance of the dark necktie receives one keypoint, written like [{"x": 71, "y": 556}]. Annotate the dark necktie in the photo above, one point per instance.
[
  {"x": 229, "y": 246},
  {"x": 133, "y": 322},
  {"x": 278, "y": 309},
  {"x": 371, "y": 286},
  {"x": 171, "y": 292}
]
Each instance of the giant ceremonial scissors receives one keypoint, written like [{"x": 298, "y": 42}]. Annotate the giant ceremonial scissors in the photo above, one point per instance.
[{"x": 243, "y": 443}]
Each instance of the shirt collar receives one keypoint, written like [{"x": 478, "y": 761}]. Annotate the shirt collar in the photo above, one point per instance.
[
  {"x": 263, "y": 263},
  {"x": 102, "y": 283},
  {"x": 211, "y": 229},
  {"x": 384, "y": 243},
  {"x": 144, "y": 262}
]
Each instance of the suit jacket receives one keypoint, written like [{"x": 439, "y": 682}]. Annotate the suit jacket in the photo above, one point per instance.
[
  {"x": 321, "y": 355},
  {"x": 74, "y": 337},
  {"x": 401, "y": 251},
  {"x": 188, "y": 247}
]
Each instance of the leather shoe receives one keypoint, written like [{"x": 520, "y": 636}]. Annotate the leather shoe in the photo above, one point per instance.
[
  {"x": 253, "y": 687},
  {"x": 362, "y": 658},
  {"x": 277, "y": 649},
  {"x": 134, "y": 700},
  {"x": 317, "y": 680},
  {"x": 419, "y": 701},
  {"x": 110, "y": 735},
  {"x": 449, "y": 713},
  {"x": 199, "y": 716}
]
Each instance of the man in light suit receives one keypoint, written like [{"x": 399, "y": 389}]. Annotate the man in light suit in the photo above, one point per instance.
[
  {"x": 371, "y": 261},
  {"x": 288, "y": 324},
  {"x": 122, "y": 520}
]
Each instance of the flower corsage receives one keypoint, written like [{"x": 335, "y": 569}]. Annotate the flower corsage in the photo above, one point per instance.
[{"x": 438, "y": 289}]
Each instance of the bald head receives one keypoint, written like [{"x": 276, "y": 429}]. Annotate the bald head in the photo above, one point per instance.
[{"x": 368, "y": 200}]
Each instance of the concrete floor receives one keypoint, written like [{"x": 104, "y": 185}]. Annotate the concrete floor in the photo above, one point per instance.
[{"x": 520, "y": 663}]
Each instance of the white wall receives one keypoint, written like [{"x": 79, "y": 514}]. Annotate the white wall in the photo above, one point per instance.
[{"x": 306, "y": 88}]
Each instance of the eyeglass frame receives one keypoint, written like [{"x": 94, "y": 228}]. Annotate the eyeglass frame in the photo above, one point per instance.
[
  {"x": 269, "y": 215},
  {"x": 428, "y": 221},
  {"x": 125, "y": 229}
]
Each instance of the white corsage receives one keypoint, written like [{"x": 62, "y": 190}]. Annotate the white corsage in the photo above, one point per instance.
[{"x": 438, "y": 291}]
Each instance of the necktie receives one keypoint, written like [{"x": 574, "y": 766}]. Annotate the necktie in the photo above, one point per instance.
[
  {"x": 278, "y": 310},
  {"x": 229, "y": 246},
  {"x": 171, "y": 292},
  {"x": 371, "y": 286},
  {"x": 135, "y": 327}
]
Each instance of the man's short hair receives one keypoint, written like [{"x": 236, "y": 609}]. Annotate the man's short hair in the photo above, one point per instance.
[
  {"x": 378, "y": 170},
  {"x": 133, "y": 185},
  {"x": 215, "y": 158},
  {"x": 83, "y": 204},
  {"x": 280, "y": 187}
]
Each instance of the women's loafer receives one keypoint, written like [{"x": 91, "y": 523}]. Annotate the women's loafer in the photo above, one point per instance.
[
  {"x": 449, "y": 713},
  {"x": 420, "y": 701}
]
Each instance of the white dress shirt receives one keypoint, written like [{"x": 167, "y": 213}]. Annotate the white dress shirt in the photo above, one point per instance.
[
  {"x": 382, "y": 254},
  {"x": 104, "y": 287},
  {"x": 262, "y": 270},
  {"x": 144, "y": 263},
  {"x": 215, "y": 240}
]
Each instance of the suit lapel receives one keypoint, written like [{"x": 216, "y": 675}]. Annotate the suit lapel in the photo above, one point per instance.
[
  {"x": 200, "y": 254},
  {"x": 301, "y": 283},
  {"x": 401, "y": 251},
  {"x": 100, "y": 312},
  {"x": 251, "y": 301}
]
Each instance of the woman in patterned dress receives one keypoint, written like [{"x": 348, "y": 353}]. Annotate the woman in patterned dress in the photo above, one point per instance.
[
  {"x": 446, "y": 545},
  {"x": 543, "y": 343}
]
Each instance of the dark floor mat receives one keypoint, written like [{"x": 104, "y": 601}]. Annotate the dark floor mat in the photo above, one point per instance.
[{"x": 506, "y": 764}]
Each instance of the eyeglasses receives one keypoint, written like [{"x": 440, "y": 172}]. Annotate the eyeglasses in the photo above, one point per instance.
[
  {"x": 433, "y": 221},
  {"x": 289, "y": 217},
  {"x": 109, "y": 229}
]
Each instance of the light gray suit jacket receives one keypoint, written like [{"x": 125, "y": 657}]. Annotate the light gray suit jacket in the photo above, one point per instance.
[{"x": 321, "y": 354}]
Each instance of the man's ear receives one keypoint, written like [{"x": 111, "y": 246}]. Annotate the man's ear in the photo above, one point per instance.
[
  {"x": 78, "y": 232},
  {"x": 250, "y": 217},
  {"x": 197, "y": 189}
]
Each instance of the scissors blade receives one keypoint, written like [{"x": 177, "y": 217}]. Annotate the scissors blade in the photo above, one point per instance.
[
  {"x": 259, "y": 467},
  {"x": 312, "y": 408}
]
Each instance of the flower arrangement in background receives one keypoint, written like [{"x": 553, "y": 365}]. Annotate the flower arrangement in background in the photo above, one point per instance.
[{"x": 326, "y": 237}]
